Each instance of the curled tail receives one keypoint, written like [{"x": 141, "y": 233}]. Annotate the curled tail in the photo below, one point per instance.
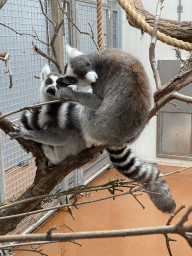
[{"x": 146, "y": 173}]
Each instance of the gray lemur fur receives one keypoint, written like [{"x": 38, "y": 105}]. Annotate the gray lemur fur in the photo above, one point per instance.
[
  {"x": 116, "y": 113},
  {"x": 55, "y": 125}
]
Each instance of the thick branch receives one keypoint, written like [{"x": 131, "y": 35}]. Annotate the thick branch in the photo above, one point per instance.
[
  {"x": 49, "y": 177},
  {"x": 179, "y": 30}
]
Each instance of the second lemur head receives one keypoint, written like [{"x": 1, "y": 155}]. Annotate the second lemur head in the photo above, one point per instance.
[
  {"x": 48, "y": 89},
  {"x": 78, "y": 71}
]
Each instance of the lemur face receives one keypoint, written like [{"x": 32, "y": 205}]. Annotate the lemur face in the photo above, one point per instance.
[
  {"x": 78, "y": 71},
  {"x": 48, "y": 84}
]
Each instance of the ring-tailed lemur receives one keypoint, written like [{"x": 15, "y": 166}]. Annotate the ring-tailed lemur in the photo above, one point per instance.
[
  {"x": 116, "y": 112},
  {"x": 55, "y": 125}
]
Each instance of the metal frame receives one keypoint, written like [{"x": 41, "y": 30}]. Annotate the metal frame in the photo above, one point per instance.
[{"x": 168, "y": 69}]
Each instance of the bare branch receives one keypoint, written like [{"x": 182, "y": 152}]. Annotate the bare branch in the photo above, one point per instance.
[
  {"x": 68, "y": 205},
  {"x": 173, "y": 229},
  {"x": 182, "y": 97},
  {"x": 168, "y": 239},
  {"x": 152, "y": 46},
  {"x": 4, "y": 56},
  {"x": 73, "y": 191},
  {"x": 56, "y": 31},
  {"x": 81, "y": 32},
  {"x": 167, "y": 174},
  {"x": 46, "y": 16},
  {"x": 2, "y": 2},
  {"x": 24, "y": 34}
]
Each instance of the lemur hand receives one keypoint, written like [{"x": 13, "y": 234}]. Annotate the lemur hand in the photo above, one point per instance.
[
  {"x": 66, "y": 94},
  {"x": 20, "y": 132}
]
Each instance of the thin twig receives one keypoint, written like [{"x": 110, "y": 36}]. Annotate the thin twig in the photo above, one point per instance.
[
  {"x": 177, "y": 171},
  {"x": 168, "y": 239},
  {"x": 47, "y": 17},
  {"x": 81, "y": 32},
  {"x": 67, "y": 205},
  {"x": 72, "y": 191},
  {"x": 24, "y": 34}
]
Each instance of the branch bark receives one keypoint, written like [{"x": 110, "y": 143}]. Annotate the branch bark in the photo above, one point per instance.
[
  {"x": 2, "y": 2},
  {"x": 179, "y": 229},
  {"x": 49, "y": 177},
  {"x": 179, "y": 30},
  {"x": 152, "y": 46}
]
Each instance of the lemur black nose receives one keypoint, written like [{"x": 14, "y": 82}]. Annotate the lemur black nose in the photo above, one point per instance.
[{"x": 51, "y": 90}]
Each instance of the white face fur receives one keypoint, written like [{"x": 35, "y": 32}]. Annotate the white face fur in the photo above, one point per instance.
[{"x": 48, "y": 89}]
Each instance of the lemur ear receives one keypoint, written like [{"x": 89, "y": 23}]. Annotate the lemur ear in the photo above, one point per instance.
[
  {"x": 45, "y": 71},
  {"x": 72, "y": 52}
]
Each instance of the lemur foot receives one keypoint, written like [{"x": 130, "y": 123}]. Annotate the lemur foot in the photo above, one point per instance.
[{"x": 20, "y": 132}]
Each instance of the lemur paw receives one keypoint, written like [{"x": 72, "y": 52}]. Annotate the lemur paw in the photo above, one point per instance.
[
  {"x": 66, "y": 94},
  {"x": 19, "y": 132}
]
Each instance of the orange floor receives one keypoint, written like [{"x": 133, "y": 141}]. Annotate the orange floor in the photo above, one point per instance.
[{"x": 122, "y": 213}]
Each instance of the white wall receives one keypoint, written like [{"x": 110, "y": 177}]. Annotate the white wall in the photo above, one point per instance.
[{"x": 138, "y": 45}]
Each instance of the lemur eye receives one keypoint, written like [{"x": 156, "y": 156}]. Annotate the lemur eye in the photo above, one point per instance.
[
  {"x": 72, "y": 80},
  {"x": 49, "y": 81}
]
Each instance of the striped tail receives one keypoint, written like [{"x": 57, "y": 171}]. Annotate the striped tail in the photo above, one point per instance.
[{"x": 124, "y": 161}]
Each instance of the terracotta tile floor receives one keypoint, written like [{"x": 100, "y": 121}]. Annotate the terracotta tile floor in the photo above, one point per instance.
[{"x": 122, "y": 213}]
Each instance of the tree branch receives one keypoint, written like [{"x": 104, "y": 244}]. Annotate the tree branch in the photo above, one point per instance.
[
  {"x": 23, "y": 34},
  {"x": 179, "y": 229},
  {"x": 40, "y": 52},
  {"x": 81, "y": 32},
  {"x": 175, "y": 29},
  {"x": 50, "y": 177},
  {"x": 152, "y": 46},
  {"x": 4, "y": 56},
  {"x": 2, "y": 2}
]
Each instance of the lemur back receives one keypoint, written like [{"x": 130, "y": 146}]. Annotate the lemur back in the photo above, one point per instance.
[
  {"x": 59, "y": 121},
  {"x": 116, "y": 113}
]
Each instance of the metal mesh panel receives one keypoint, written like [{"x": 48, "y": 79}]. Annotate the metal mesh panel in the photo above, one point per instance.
[
  {"x": 87, "y": 13},
  {"x": 25, "y": 17}
]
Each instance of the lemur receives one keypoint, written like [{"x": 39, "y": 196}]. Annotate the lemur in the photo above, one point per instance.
[
  {"x": 114, "y": 114},
  {"x": 55, "y": 125}
]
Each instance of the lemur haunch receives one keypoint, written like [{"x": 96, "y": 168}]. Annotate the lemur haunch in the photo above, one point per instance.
[
  {"x": 55, "y": 125},
  {"x": 116, "y": 113}
]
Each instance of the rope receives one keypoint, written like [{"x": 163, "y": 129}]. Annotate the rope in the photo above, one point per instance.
[
  {"x": 99, "y": 24},
  {"x": 143, "y": 25}
]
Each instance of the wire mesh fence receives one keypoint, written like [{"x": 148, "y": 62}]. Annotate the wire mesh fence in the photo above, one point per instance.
[{"x": 25, "y": 23}]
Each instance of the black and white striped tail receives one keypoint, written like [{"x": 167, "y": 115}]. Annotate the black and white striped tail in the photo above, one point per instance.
[{"x": 124, "y": 161}]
